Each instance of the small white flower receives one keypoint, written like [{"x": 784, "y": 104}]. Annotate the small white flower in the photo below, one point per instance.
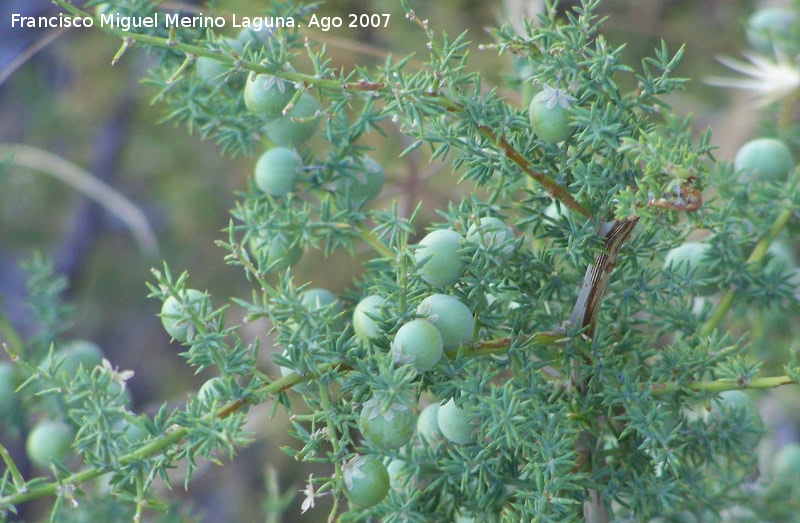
[
  {"x": 424, "y": 310},
  {"x": 352, "y": 470},
  {"x": 310, "y": 495},
  {"x": 556, "y": 96},
  {"x": 432, "y": 318},
  {"x": 399, "y": 357},
  {"x": 770, "y": 80},
  {"x": 374, "y": 409},
  {"x": 120, "y": 377}
]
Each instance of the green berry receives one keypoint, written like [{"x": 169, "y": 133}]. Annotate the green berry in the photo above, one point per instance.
[
  {"x": 439, "y": 258},
  {"x": 278, "y": 252},
  {"x": 213, "y": 72},
  {"x": 492, "y": 235},
  {"x": 318, "y": 300},
  {"x": 428, "y": 424},
  {"x": 765, "y": 159},
  {"x": 362, "y": 184},
  {"x": 452, "y": 319},
  {"x": 267, "y": 95},
  {"x": 398, "y": 474},
  {"x": 366, "y": 481},
  {"x": 302, "y": 388},
  {"x": 277, "y": 171},
  {"x": 364, "y": 326},
  {"x": 260, "y": 37},
  {"x": 692, "y": 257},
  {"x": 76, "y": 354},
  {"x": 315, "y": 299},
  {"x": 418, "y": 343},
  {"x": 734, "y": 400},
  {"x": 210, "y": 390},
  {"x": 386, "y": 429},
  {"x": 550, "y": 119},
  {"x": 786, "y": 465},
  {"x": 454, "y": 424},
  {"x": 297, "y": 126},
  {"x": 769, "y": 27},
  {"x": 49, "y": 440},
  {"x": 175, "y": 315}
]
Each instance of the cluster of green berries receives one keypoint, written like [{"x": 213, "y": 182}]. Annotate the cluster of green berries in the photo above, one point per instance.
[
  {"x": 444, "y": 323},
  {"x": 759, "y": 161},
  {"x": 51, "y": 434}
]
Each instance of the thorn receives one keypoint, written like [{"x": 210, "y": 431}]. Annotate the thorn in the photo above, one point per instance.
[{"x": 126, "y": 43}]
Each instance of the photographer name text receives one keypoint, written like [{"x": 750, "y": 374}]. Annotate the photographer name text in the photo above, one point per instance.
[{"x": 128, "y": 23}]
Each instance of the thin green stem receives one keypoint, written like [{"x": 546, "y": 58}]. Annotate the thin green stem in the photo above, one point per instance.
[
  {"x": 369, "y": 236},
  {"x": 231, "y": 60},
  {"x": 771, "y": 382},
  {"x": 499, "y": 346},
  {"x": 515, "y": 156},
  {"x": 15, "y": 346},
  {"x": 327, "y": 408},
  {"x": 236, "y": 253},
  {"x": 753, "y": 261},
  {"x": 16, "y": 477}
]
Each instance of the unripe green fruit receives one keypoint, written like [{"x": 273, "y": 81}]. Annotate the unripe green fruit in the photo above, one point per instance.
[
  {"x": 764, "y": 159},
  {"x": 398, "y": 472},
  {"x": 428, "y": 424},
  {"x": 176, "y": 319},
  {"x": 208, "y": 391},
  {"x": 302, "y": 388},
  {"x": 549, "y": 123},
  {"x": 556, "y": 211},
  {"x": 389, "y": 429},
  {"x": 439, "y": 257},
  {"x": 248, "y": 34},
  {"x": 418, "y": 343},
  {"x": 277, "y": 171},
  {"x": 490, "y": 235},
  {"x": 76, "y": 354},
  {"x": 691, "y": 257},
  {"x": 280, "y": 252},
  {"x": 363, "y": 185},
  {"x": 769, "y": 26},
  {"x": 365, "y": 327},
  {"x": 49, "y": 440},
  {"x": 366, "y": 481},
  {"x": 286, "y": 132},
  {"x": 135, "y": 432},
  {"x": 267, "y": 95},
  {"x": 316, "y": 300},
  {"x": 102, "y": 9},
  {"x": 211, "y": 71},
  {"x": 730, "y": 400},
  {"x": 452, "y": 319},
  {"x": 786, "y": 465},
  {"x": 454, "y": 424}
]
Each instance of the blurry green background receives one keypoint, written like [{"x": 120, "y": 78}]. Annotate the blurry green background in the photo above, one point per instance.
[{"x": 67, "y": 99}]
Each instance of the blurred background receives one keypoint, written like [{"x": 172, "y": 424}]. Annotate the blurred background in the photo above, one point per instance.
[{"x": 59, "y": 94}]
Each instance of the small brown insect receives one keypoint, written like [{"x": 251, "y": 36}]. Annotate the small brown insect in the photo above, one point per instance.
[{"x": 687, "y": 199}]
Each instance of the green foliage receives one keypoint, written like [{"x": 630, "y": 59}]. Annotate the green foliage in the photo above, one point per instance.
[{"x": 560, "y": 401}]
